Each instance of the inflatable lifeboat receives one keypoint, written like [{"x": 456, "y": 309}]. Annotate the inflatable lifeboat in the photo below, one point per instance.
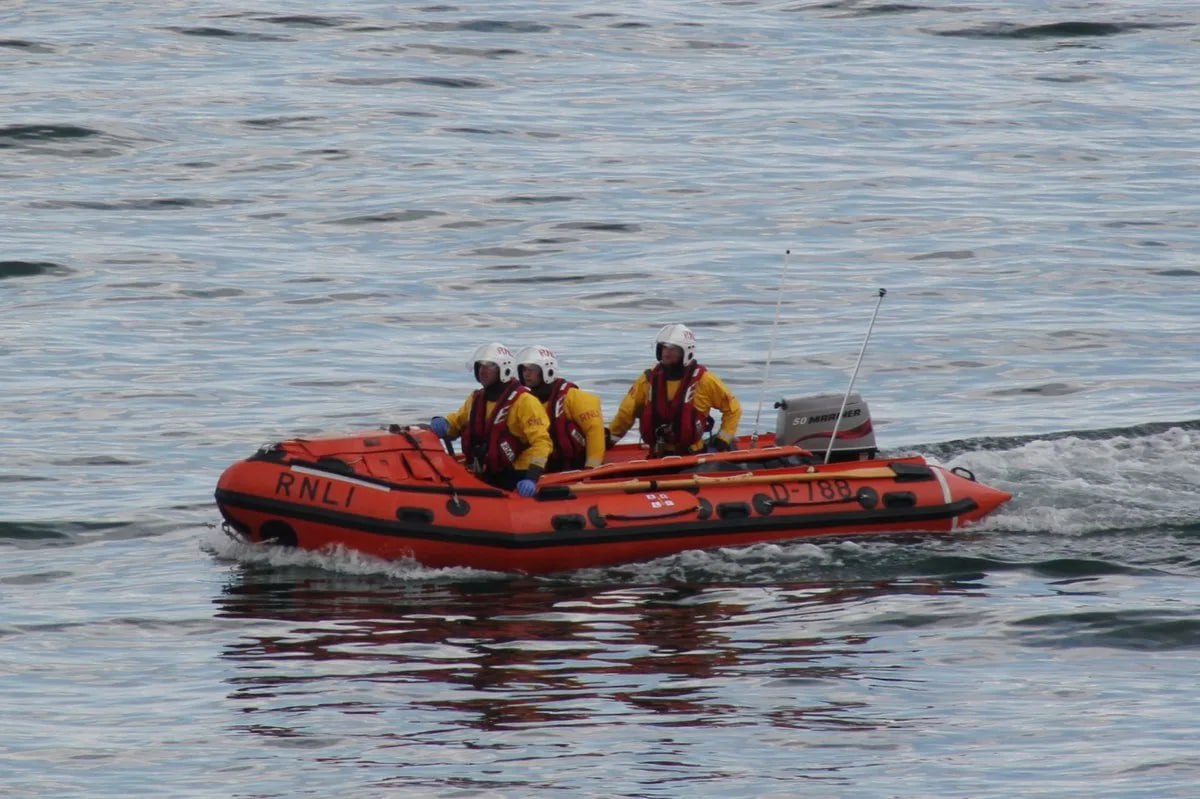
[{"x": 402, "y": 493}]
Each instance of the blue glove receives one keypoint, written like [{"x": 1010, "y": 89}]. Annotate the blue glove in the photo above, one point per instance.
[
  {"x": 526, "y": 488},
  {"x": 440, "y": 427}
]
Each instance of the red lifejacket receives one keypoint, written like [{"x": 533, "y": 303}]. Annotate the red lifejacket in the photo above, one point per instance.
[
  {"x": 673, "y": 425},
  {"x": 488, "y": 446},
  {"x": 570, "y": 445}
]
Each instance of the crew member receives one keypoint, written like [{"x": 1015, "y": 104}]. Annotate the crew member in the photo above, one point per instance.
[
  {"x": 505, "y": 431},
  {"x": 576, "y": 422},
  {"x": 671, "y": 401}
]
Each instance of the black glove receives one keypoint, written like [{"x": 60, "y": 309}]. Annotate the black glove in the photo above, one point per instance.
[
  {"x": 608, "y": 439},
  {"x": 718, "y": 444}
]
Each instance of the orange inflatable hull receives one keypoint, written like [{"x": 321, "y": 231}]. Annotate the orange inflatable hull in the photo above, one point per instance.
[{"x": 400, "y": 494}]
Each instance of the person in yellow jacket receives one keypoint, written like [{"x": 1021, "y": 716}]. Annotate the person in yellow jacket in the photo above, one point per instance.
[
  {"x": 576, "y": 422},
  {"x": 505, "y": 431},
  {"x": 671, "y": 401}
]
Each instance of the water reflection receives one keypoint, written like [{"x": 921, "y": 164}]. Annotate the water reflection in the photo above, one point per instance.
[{"x": 507, "y": 655}]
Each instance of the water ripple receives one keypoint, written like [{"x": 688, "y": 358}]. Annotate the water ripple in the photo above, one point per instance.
[
  {"x": 1142, "y": 631},
  {"x": 10, "y": 269},
  {"x": 1054, "y": 30}
]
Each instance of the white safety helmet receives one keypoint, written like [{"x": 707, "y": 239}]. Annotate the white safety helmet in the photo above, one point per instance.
[
  {"x": 493, "y": 353},
  {"x": 679, "y": 336},
  {"x": 542, "y": 357}
]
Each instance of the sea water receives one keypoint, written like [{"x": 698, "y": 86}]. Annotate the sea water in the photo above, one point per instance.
[{"x": 227, "y": 225}]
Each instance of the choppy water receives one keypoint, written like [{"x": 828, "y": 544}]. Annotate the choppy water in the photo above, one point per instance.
[{"x": 226, "y": 225}]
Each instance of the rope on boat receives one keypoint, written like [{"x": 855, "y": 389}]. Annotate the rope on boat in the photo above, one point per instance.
[{"x": 454, "y": 500}]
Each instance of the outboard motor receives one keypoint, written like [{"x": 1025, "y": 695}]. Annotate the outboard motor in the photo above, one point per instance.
[{"x": 808, "y": 422}]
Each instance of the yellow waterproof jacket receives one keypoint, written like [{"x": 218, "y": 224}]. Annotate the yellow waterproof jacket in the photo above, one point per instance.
[
  {"x": 711, "y": 393},
  {"x": 527, "y": 421},
  {"x": 583, "y": 408}
]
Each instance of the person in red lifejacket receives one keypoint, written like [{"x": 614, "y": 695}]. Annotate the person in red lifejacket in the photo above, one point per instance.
[
  {"x": 576, "y": 422},
  {"x": 505, "y": 431},
  {"x": 671, "y": 401}
]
